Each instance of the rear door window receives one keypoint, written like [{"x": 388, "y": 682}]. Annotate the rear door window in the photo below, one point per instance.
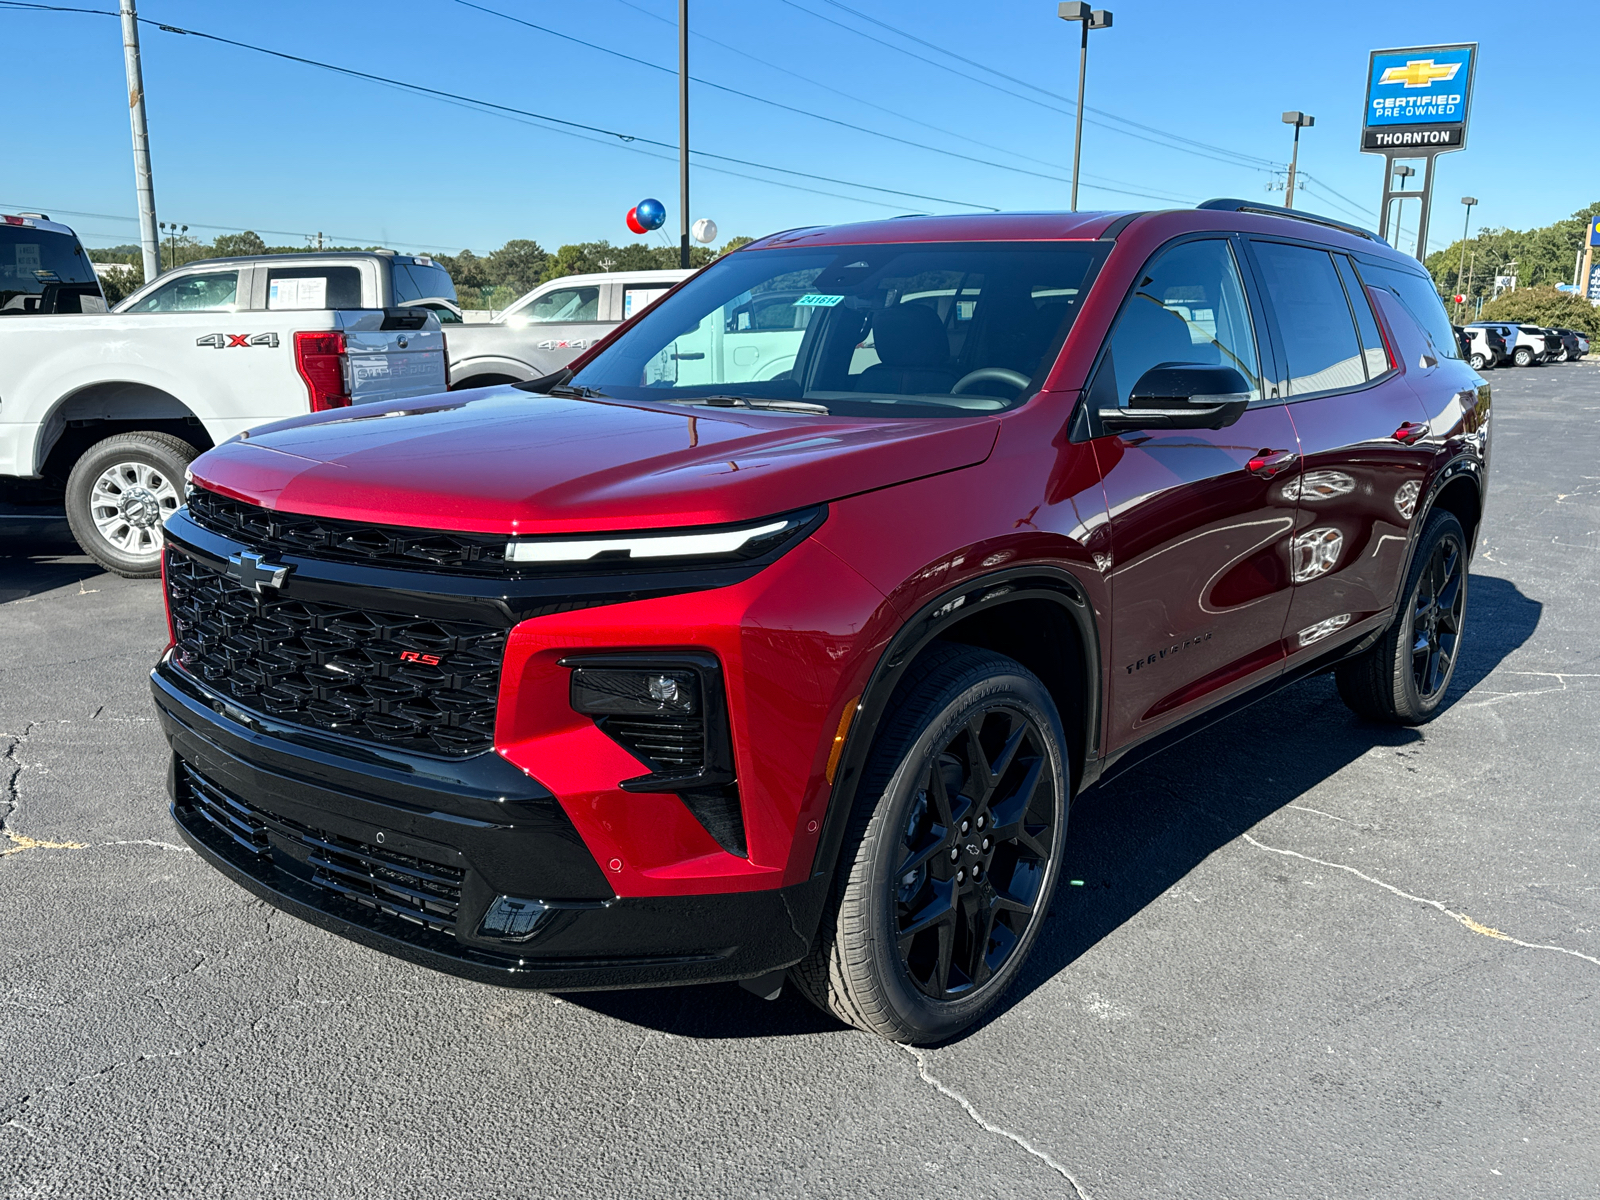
[
  {"x": 564, "y": 304},
  {"x": 214, "y": 291},
  {"x": 1320, "y": 345},
  {"x": 1372, "y": 348},
  {"x": 420, "y": 279},
  {"x": 314, "y": 287},
  {"x": 1188, "y": 306},
  {"x": 638, "y": 297}
]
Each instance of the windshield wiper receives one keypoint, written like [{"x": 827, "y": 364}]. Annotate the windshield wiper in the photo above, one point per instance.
[{"x": 760, "y": 402}]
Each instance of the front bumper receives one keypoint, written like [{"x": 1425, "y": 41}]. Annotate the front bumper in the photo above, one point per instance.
[{"x": 424, "y": 858}]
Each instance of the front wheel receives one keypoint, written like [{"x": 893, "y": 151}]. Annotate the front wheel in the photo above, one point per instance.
[
  {"x": 120, "y": 493},
  {"x": 952, "y": 855},
  {"x": 1402, "y": 679}
]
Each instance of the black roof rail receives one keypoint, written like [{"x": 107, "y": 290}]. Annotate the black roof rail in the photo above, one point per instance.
[{"x": 1275, "y": 210}]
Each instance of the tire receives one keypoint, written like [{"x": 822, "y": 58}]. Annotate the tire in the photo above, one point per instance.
[
  {"x": 1523, "y": 356},
  {"x": 895, "y": 872},
  {"x": 1402, "y": 680},
  {"x": 118, "y": 495},
  {"x": 1478, "y": 362}
]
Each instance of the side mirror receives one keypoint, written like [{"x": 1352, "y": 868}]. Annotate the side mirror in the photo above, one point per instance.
[{"x": 1181, "y": 396}]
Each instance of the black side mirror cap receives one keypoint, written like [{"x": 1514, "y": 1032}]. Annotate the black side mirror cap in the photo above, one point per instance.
[{"x": 1181, "y": 396}]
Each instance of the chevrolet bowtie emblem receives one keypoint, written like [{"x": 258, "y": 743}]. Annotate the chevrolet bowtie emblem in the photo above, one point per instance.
[
  {"x": 1421, "y": 72},
  {"x": 256, "y": 573}
]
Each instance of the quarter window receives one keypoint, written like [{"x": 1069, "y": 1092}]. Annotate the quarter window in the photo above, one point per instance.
[
  {"x": 314, "y": 287},
  {"x": 217, "y": 291},
  {"x": 1188, "y": 306},
  {"x": 1320, "y": 344},
  {"x": 1421, "y": 300}
]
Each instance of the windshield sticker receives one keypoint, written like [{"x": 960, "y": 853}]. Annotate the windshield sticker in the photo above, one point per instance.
[{"x": 817, "y": 300}]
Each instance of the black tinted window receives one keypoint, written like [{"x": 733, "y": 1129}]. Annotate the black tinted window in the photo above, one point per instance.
[
  {"x": 1187, "y": 307},
  {"x": 415, "y": 280},
  {"x": 37, "y": 269},
  {"x": 1421, "y": 299},
  {"x": 314, "y": 287},
  {"x": 1318, "y": 332},
  {"x": 1372, "y": 348}
]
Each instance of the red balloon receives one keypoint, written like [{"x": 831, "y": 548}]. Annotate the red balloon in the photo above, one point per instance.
[{"x": 633, "y": 221}]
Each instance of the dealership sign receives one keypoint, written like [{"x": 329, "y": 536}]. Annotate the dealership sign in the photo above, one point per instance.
[{"x": 1419, "y": 98}]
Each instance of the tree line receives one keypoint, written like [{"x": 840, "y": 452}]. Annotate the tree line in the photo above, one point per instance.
[{"x": 490, "y": 280}]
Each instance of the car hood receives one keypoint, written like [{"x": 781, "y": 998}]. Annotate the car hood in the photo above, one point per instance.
[{"x": 510, "y": 461}]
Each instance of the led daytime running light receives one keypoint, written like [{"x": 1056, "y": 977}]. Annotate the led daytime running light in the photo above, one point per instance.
[{"x": 678, "y": 545}]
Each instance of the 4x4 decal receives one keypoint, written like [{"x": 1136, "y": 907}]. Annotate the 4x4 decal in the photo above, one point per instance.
[{"x": 226, "y": 341}]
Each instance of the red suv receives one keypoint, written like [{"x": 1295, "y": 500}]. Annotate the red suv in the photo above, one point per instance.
[{"x": 776, "y": 635}]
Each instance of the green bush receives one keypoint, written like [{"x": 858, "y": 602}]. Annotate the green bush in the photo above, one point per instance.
[{"x": 1544, "y": 306}]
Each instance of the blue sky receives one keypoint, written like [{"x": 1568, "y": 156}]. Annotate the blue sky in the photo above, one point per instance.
[{"x": 241, "y": 140}]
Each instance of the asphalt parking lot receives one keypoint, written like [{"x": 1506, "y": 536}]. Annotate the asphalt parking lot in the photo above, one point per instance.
[{"x": 1310, "y": 957}]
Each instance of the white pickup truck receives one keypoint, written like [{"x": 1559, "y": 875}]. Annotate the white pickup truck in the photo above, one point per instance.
[
  {"x": 115, "y": 405},
  {"x": 550, "y": 326}
]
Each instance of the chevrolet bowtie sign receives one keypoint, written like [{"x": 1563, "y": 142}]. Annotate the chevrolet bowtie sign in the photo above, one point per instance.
[{"x": 1418, "y": 98}]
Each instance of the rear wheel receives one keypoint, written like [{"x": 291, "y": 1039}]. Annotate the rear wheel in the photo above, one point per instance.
[
  {"x": 1402, "y": 680},
  {"x": 952, "y": 857},
  {"x": 120, "y": 493},
  {"x": 1478, "y": 361},
  {"x": 1523, "y": 357}
]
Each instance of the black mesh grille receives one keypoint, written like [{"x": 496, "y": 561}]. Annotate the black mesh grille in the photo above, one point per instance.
[
  {"x": 410, "y": 682},
  {"x": 669, "y": 743},
  {"x": 348, "y": 541},
  {"x": 413, "y": 889}
]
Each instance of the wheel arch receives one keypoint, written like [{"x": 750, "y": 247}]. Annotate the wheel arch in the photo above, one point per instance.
[
  {"x": 99, "y": 410},
  {"x": 1040, "y": 616}
]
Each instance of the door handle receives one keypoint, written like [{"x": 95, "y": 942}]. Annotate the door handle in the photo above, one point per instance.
[
  {"x": 1409, "y": 433},
  {"x": 1272, "y": 462}
]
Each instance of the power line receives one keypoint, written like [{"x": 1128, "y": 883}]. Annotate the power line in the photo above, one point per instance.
[
  {"x": 1233, "y": 158},
  {"x": 504, "y": 108},
  {"x": 878, "y": 133}
]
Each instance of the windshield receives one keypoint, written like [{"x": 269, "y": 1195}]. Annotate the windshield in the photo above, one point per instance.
[
  {"x": 921, "y": 329},
  {"x": 42, "y": 271}
]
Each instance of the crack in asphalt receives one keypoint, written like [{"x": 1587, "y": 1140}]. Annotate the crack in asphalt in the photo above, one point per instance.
[
  {"x": 1459, "y": 917},
  {"x": 11, "y": 799},
  {"x": 984, "y": 1123}
]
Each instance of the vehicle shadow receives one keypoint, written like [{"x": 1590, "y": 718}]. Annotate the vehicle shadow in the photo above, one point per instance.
[
  {"x": 38, "y": 554},
  {"x": 1137, "y": 836}
]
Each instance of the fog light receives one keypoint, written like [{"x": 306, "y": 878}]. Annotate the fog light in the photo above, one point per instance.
[
  {"x": 602, "y": 691},
  {"x": 512, "y": 919}
]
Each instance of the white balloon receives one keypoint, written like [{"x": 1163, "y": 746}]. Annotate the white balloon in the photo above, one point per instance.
[{"x": 705, "y": 231}]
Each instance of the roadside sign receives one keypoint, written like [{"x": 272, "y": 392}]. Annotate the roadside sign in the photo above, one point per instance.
[
  {"x": 1419, "y": 98},
  {"x": 1594, "y": 232},
  {"x": 1594, "y": 283}
]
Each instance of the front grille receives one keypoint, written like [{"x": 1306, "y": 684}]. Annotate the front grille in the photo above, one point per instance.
[
  {"x": 400, "y": 885},
  {"x": 348, "y": 541},
  {"x": 410, "y": 682},
  {"x": 667, "y": 743}
]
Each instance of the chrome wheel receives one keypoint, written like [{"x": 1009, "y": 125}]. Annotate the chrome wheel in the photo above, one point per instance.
[
  {"x": 1438, "y": 607},
  {"x": 975, "y": 854},
  {"x": 128, "y": 504}
]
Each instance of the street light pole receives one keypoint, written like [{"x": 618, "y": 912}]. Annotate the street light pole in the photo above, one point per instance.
[
  {"x": 1300, "y": 121},
  {"x": 1099, "y": 18},
  {"x": 149, "y": 240},
  {"x": 683, "y": 133},
  {"x": 1466, "y": 223},
  {"x": 1403, "y": 173}
]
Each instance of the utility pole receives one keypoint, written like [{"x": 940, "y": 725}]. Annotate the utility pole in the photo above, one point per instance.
[
  {"x": 148, "y": 242},
  {"x": 1469, "y": 201},
  {"x": 683, "y": 133},
  {"x": 1300, "y": 121},
  {"x": 1099, "y": 18}
]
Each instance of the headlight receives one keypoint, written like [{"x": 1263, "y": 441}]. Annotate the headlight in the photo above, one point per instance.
[{"x": 707, "y": 546}]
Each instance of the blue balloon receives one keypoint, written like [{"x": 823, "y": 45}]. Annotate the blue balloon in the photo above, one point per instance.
[{"x": 652, "y": 214}]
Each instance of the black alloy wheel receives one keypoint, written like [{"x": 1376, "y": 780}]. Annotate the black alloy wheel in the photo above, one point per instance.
[
  {"x": 1403, "y": 678},
  {"x": 1438, "y": 609},
  {"x": 952, "y": 852},
  {"x": 977, "y": 843}
]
